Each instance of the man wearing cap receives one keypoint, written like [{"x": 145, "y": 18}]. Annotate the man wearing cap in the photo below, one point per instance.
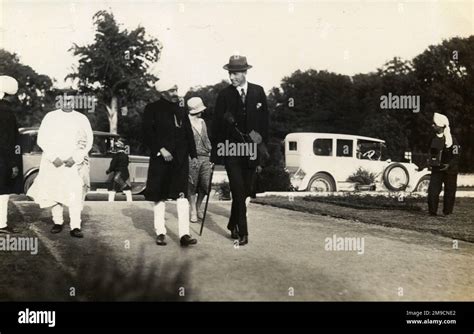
[
  {"x": 200, "y": 174},
  {"x": 10, "y": 154},
  {"x": 168, "y": 135},
  {"x": 444, "y": 160},
  {"x": 240, "y": 116}
]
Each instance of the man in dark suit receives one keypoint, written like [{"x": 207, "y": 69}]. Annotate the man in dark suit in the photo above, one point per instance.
[
  {"x": 240, "y": 117},
  {"x": 169, "y": 137}
]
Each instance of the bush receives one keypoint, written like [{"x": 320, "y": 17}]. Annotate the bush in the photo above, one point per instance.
[
  {"x": 363, "y": 177},
  {"x": 273, "y": 178},
  {"x": 224, "y": 190}
]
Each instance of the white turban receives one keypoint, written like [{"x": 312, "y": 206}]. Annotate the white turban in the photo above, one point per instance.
[
  {"x": 442, "y": 121},
  {"x": 8, "y": 85},
  {"x": 163, "y": 85}
]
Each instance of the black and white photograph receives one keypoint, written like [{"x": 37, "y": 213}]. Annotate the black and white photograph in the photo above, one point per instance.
[{"x": 242, "y": 151}]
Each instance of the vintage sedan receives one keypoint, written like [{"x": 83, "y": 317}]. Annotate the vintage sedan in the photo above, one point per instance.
[
  {"x": 100, "y": 156},
  {"x": 325, "y": 161}
]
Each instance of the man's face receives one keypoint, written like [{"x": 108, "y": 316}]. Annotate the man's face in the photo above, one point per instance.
[
  {"x": 68, "y": 103},
  {"x": 237, "y": 78},
  {"x": 171, "y": 95},
  {"x": 438, "y": 129}
]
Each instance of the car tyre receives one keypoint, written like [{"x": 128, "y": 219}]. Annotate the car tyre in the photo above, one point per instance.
[
  {"x": 423, "y": 184},
  {"x": 323, "y": 180},
  {"x": 388, "y": 177},
  {"x": 29, "y": 181}
]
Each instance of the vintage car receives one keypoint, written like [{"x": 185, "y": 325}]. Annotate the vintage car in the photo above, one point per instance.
[
  {"x": 325, "y": 161},
  {"x": 100, "y": 157}
]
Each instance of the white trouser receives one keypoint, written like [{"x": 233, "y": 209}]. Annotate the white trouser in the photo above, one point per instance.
[
  {"x": 74, "y": 215},
  {"x": 182, "y": 206},
  {"x": 159, "y": 213},
  {"x": 247, "y": 202},
  {"x": 3, "y": 210}
]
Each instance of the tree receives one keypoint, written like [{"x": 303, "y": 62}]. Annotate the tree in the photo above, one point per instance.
[
  {"x": 115, "y": 67},
  {"x": 35, "y": 93},
  {"x": 446, "y": 74},
  {"x": 314, "y": 101}
]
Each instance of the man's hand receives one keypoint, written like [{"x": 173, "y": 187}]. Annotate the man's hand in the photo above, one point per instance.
[
  {"x": 69, "y": 162},
  {"x": 166, "y": 155},
  {"x": 15, "y": 171},
  {"x": 57, "y": 162},
  {"x": 259, "y": 169},
  {"x": 444, "y": 168},
  {"x": 194, "y": 162}
]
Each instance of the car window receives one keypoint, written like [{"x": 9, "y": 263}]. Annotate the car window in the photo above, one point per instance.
[
  {"x": 322, "y": 147},
  {"x": 293, "y": 146},
  {"x": 344, "y": 148},
  {"x": 369, "y": 150},
  {"x": 99, "y": 147},
  {"x": 28, "y": 143}
]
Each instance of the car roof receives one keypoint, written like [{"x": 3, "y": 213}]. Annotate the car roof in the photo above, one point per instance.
[
  {"x": 31, "y": 130},
  {"x": 312, "y": 135}
]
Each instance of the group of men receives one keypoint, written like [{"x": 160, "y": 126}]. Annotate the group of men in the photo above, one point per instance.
[
  {"x": 178, "y": 143},
  {"x": 241, "y": 109},
  {"x": 181, "y": 155}
]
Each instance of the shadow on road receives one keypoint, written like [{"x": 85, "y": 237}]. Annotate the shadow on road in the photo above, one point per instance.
[{"x": 142, "y": 219}]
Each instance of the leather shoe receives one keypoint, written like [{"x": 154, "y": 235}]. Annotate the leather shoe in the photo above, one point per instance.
[
  {"x": 234, "y": 233},
  {"x": 160, "y": 240},
  {"x": 76, "y": 233},
  {"x": 243, "y": 240},
  {"x": 56, "y": 228},
  {"x": 186, "y": 240}
]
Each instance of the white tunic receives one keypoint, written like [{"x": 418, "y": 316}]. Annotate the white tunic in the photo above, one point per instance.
[{"x": 62, "y": 135}]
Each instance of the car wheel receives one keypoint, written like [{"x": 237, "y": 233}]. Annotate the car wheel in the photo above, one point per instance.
[
  {"x": 321, "y": 182},
  {"x": 29, "y": 181},
  {"x": 423, "y": 184},
  {"x": 396, "y": 177}
]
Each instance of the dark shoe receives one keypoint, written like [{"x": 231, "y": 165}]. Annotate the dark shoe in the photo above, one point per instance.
[
  {"x": 243, "y": 240},
  {"x": 433, "y": 214},
  {"x": 186, "y": 240},
  {"x": 76, "y": 233},
  {"x": 8, "y": 230},
  {"x": 160, "y": 240},
  {"x": 234, "y": 233},
  {"x": 57, "y": 228},
  {"x": 447, "y": 213}
]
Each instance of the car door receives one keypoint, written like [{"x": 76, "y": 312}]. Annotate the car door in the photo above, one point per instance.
[{"x": 100, "y": 157}]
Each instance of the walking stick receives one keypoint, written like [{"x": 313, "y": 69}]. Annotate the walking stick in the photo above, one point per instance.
[{"x": 207, "y": 199}]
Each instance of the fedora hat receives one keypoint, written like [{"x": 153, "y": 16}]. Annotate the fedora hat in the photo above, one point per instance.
[
  {"x": 196, "y": 105},
  {"x": 237, "y": 64}
]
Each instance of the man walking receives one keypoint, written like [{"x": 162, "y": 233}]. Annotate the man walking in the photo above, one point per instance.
[
  {"x": 168, "y": 135},
  {"x": 66, "y": 137},
  {"x": 10, "y": 154},
  {"x": 444, "y": 160},
  {"x": 240, "y": 116}
]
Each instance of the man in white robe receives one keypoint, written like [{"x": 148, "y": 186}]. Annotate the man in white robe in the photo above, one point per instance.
[{"x": 66, "y": 137}]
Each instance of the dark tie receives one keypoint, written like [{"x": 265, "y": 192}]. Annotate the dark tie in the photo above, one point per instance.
[{"x": 242, "y": 96}]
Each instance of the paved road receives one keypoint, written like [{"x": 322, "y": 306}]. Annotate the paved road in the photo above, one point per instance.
[{"x": 285, "y": 259}]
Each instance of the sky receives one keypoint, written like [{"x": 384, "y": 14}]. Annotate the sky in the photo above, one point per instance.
[{"x": 278, "y": 37}]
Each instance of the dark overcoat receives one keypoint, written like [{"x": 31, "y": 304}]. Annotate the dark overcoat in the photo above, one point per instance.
[
  {"x": 166, "y": 125},
  {"x": 10, "y": 151}
]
